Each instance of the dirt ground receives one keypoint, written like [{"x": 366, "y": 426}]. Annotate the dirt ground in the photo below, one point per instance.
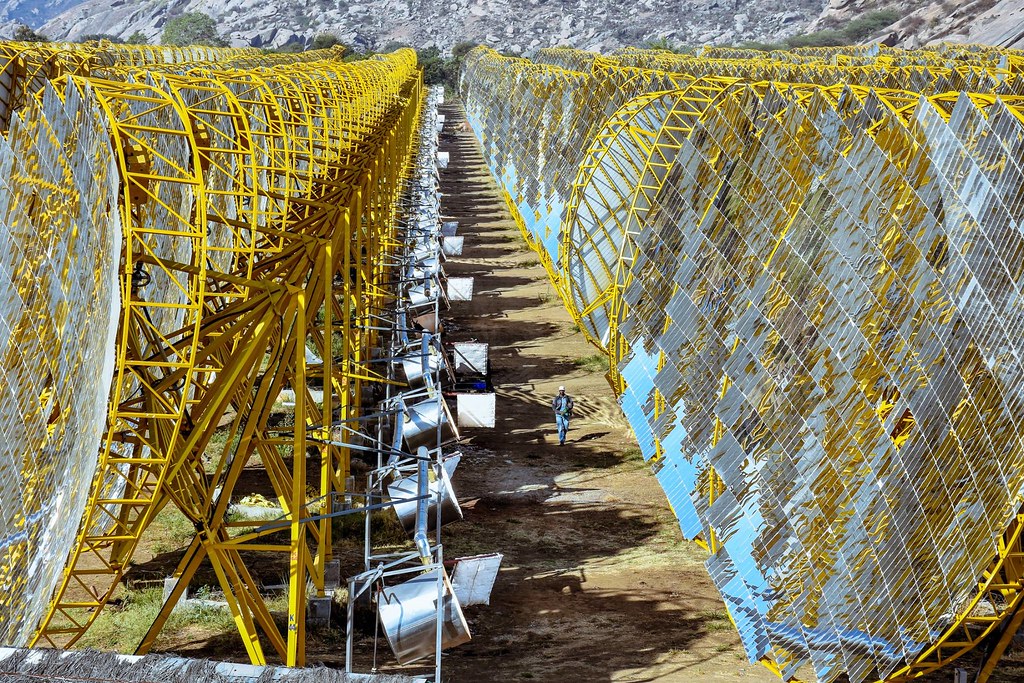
[{"x": 597, "y": 582}]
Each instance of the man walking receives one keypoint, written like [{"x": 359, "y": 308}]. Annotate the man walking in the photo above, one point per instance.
[{"x": 562, "y": 405}]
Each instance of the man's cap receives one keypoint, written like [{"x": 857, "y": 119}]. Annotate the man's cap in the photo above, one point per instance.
[{"x": 561, "y": 388}]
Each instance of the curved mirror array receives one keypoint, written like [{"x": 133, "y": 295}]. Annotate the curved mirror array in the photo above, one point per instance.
[{"x": 806, "y": 270}]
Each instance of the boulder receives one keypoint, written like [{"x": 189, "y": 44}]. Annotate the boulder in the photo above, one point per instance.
[
  {"x": 890, "y": 39},
  {"x": 264, "y": 38},
  {"x": 285, "y": 37}
]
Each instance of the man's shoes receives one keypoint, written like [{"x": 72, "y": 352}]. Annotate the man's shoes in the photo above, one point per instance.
[{"x": 561, "y": 443}]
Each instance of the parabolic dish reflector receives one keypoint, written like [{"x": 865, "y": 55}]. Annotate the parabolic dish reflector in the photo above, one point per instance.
[
  {"x": 59, "y": 306},
  {"x": 155, "y": 218},
  {"x": 806, "y": 269}
]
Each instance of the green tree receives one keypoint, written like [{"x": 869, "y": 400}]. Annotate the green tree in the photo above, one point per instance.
[
  {"x": 454, "y": 65},
  {"x": 24, "y": 34},
  {"x": 462, "y": 49},
  {"x": 322, "y": 41},
  {"x": 435, "y": 68},
  {"x": 192, "y": 28},
  {"x": 137, "y": 38}
]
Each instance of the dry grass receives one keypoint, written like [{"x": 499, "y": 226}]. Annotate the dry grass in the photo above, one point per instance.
[
  {"x": 597, "y": 362},
  {"x": 170, "y": 530},
  {"x": 122, "y": 626}
]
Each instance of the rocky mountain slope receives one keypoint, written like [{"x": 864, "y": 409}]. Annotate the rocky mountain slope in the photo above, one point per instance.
[
  {"x": 510, "y": 24},
  {"x": 519, "y": 26},
  {"x": 992, "y": 22}
]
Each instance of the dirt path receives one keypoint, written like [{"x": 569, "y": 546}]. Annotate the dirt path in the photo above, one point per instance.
[{"x": 597, "y": 582}]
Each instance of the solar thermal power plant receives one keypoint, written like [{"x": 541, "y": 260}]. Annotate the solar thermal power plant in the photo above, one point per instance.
[
  {"x": 806, "y": 270},
  {"x": 185, "y": 233}
]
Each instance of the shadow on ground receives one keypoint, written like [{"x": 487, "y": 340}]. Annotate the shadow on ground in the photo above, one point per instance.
[{"x": 556, "y": 613}]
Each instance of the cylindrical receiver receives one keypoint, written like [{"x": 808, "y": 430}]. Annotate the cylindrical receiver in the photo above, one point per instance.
[
  {"x": 422, "y": 421},
  {"x": 402, "y": 491},
  {"x": 408, "y": 613}
]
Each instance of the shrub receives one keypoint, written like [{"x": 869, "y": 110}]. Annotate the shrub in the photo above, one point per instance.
[
  {"x": 97, "y": 37},
  {"x": 854, "y": 32},
  {"x": 826, "y": 38},
  {"x": 462, "y": 49},
  {"x": 26, "y": 35},
  {"x": 868, "y": 24},
  {"x": 763, "y": 47},
  {"x": 192, "y": 28},
  {"x": 322, "y": 41}
]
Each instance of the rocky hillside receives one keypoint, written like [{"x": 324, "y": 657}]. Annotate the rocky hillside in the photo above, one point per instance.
[
  {"x": 30, "y": 12},
  {"x": 515, "y": 25},
  {"x": 519, "y": 26},
  {"x": 992, "y": 22}
]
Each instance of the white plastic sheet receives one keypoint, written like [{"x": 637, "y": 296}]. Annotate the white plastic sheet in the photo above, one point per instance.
[{"x": 476, "y": 410}]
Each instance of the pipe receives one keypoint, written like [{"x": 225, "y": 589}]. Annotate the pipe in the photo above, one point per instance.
[
  {"x": 422, "y": 505},
  {"x": 425, "y": 353}
]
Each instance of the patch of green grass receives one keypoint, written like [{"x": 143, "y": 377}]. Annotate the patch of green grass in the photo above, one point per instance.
[
  {"x": 120, "y": 627},
  {"x": 595, "y": 363},
  {"x": 633, "y": 455},
  {"x": 208, "y": 617},
  {"x": 387, "y": 531},
  {"x": 715, "y": 620},
  {"x": 215, "y": 448},
  {"x": 170, "y": 531},
  {"x": 217, "y": 441},
  {"x": 235, "y": 515},
  {"x": 278, "y": 602}
]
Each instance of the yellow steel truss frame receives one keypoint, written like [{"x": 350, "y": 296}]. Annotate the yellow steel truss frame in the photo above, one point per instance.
[{"x": 258, "y": 203}]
